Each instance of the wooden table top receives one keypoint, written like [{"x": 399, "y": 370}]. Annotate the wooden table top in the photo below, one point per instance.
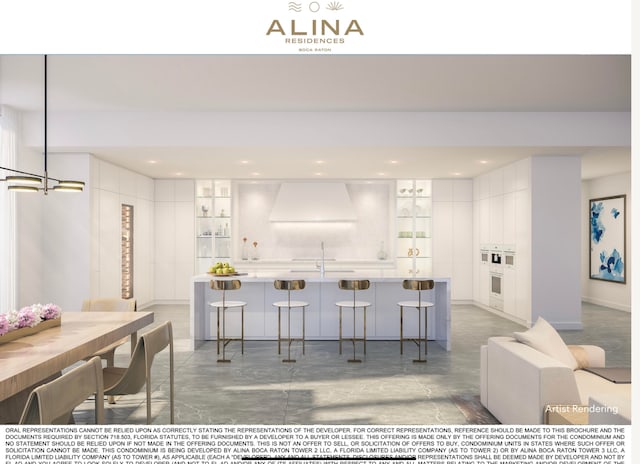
[{"x": 31, "y": 359}]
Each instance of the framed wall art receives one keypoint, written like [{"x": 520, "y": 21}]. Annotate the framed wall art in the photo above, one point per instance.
[{"x": 607, "y": 238}]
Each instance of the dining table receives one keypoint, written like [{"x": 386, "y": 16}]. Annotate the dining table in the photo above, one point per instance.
[{"x": 31, "y": 360}]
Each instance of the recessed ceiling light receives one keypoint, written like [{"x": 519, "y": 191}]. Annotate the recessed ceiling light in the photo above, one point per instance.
[
  {"x": 244, "y": 162},
  {"x": 483, "y": 161},
  {"x": 319, "y": 161},
  {"x": 178, "y": 173},
  {"x": 255, "y": 173},
  {"x": 456, "y": 173},
  {"x": 318, "y": 174},
  {"x": 152, "y": 161},
  {"x": 382, "y": 173},
  {"x": 393, "y": 162}
]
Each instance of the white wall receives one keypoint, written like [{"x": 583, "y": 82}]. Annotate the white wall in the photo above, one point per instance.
[
  {"x": 29, "y": 236},
  {"x": 610, "y": 294},
  {"x": 66, "y": 239},
  {"x": 555, "y": 240},
  {"x": 533, "y": 206},
  {"x": 286, "y": 129},
  {"x": 358, "y": 240},
  {"x": 54, "y": 235},
  {"x": 174, "y": 252},
  {"x": 111, "y": 187},
  {"x": 453, "y": 235}
]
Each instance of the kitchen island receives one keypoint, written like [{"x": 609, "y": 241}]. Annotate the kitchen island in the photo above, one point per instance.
[{"x": 322, "y": 316}]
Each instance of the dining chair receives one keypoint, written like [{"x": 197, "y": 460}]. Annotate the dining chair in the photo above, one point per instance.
[
  {"x": 110, "y": 304},
  {"x": 130, "y": 380},
  {"x": 53, "y": 403}
]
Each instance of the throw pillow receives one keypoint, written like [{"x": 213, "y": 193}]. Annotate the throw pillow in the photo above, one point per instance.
[
  {"x": 543, "y": 337},
  {"x": 578, "y": 352}
]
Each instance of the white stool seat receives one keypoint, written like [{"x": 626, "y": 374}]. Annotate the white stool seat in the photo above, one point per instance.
[
  {"x": 353, "y": 304},
  {"x": 228, "y": 304},
  {"x": 416, "y": 304},
  {"x": 293, "y": 304}
]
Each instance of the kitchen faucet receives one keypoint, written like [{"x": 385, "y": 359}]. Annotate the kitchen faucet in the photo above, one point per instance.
[{"x": 321, "y": 265}]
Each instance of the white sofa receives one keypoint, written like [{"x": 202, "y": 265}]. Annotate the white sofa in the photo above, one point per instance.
[{"x": 517, "y": 382}]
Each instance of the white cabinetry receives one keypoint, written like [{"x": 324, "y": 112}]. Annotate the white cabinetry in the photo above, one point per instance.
[
  {"x": 213, "y": 223},
  {"x": 174, "y": 240},
  {"x": 496, "y": 222},
  {"x": 453, "y": 225},
  {"x": 413, "y": 222},
  {"x": 503, "y": 220},
  {"x": 509, "y": 218}
]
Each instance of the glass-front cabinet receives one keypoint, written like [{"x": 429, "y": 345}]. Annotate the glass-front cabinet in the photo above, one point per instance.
[
  {"x": 413, "y": 222},
  {"x": 213, "y": 223}
]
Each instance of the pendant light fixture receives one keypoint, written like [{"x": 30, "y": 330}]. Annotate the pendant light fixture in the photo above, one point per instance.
[{"x": 29, "y": 182}]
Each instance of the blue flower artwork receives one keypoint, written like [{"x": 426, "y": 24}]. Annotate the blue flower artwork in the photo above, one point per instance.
[
  {"x": 607, "y": 238},
  {"x": 597, "y": 227},
  {"x": 611, "y": 266}
]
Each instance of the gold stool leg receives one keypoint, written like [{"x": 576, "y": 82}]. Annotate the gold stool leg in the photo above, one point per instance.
[
  {"x": 242, "y": 331},
  {"x": 354, "y": 360},
  {"x": 420, "y": 360},
  {"x": 303, "y": 324},
  {"x": 365, "y": 330},
  {"x": 289, "y": 360},
  {"x": 279, "y": 334},
  {"x": 224, "y": 339},
  {"x": 426, "y": 313},
  {"x": 340, "y": 339},
  {"x": 401, "y": 341},
  {"x": 218, "y": 333}
]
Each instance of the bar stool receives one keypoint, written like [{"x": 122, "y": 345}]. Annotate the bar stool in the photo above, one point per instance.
[
  {"x": 418, "y": 285},
  {"x": 224, "y": 286},
  {"x": 290, "y": 285},
  {"x": 354, "y": 285}
]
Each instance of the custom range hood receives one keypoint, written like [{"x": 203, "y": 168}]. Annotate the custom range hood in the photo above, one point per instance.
[{"x": 312, "y": 202}]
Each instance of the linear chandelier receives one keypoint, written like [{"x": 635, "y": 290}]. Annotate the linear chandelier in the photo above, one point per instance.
[{"x": 29, "y": 182}]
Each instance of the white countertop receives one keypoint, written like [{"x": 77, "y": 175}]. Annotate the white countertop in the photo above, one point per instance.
[{"x": 314, "y": 276}]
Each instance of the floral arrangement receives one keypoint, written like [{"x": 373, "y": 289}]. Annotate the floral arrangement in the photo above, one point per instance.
[{"x": 29, "y": 316}]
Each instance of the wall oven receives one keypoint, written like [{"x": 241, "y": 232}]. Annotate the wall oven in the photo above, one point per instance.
[
  {"x": 496, "y": 299},
  {"x": 509, "y": 259}
]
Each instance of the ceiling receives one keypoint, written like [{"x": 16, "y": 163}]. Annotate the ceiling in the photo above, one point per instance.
[{"x": 111, "y": 84}]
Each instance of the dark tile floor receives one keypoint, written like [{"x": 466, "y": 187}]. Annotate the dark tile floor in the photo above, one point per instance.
[{"x": 323, "y": 388}]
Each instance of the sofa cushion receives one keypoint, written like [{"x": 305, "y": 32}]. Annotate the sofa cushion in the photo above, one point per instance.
[{"x": 544, "y": 338}]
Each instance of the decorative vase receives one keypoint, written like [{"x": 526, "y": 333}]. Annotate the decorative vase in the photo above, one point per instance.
[
  {"x": 245, "y": 249},
  {"x": 382, "y": 255}
]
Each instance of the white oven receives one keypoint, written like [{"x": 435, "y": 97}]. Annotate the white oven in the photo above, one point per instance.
[
  {"x": 496, "y": 299},
  {"x": 509, "y": 259}
]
